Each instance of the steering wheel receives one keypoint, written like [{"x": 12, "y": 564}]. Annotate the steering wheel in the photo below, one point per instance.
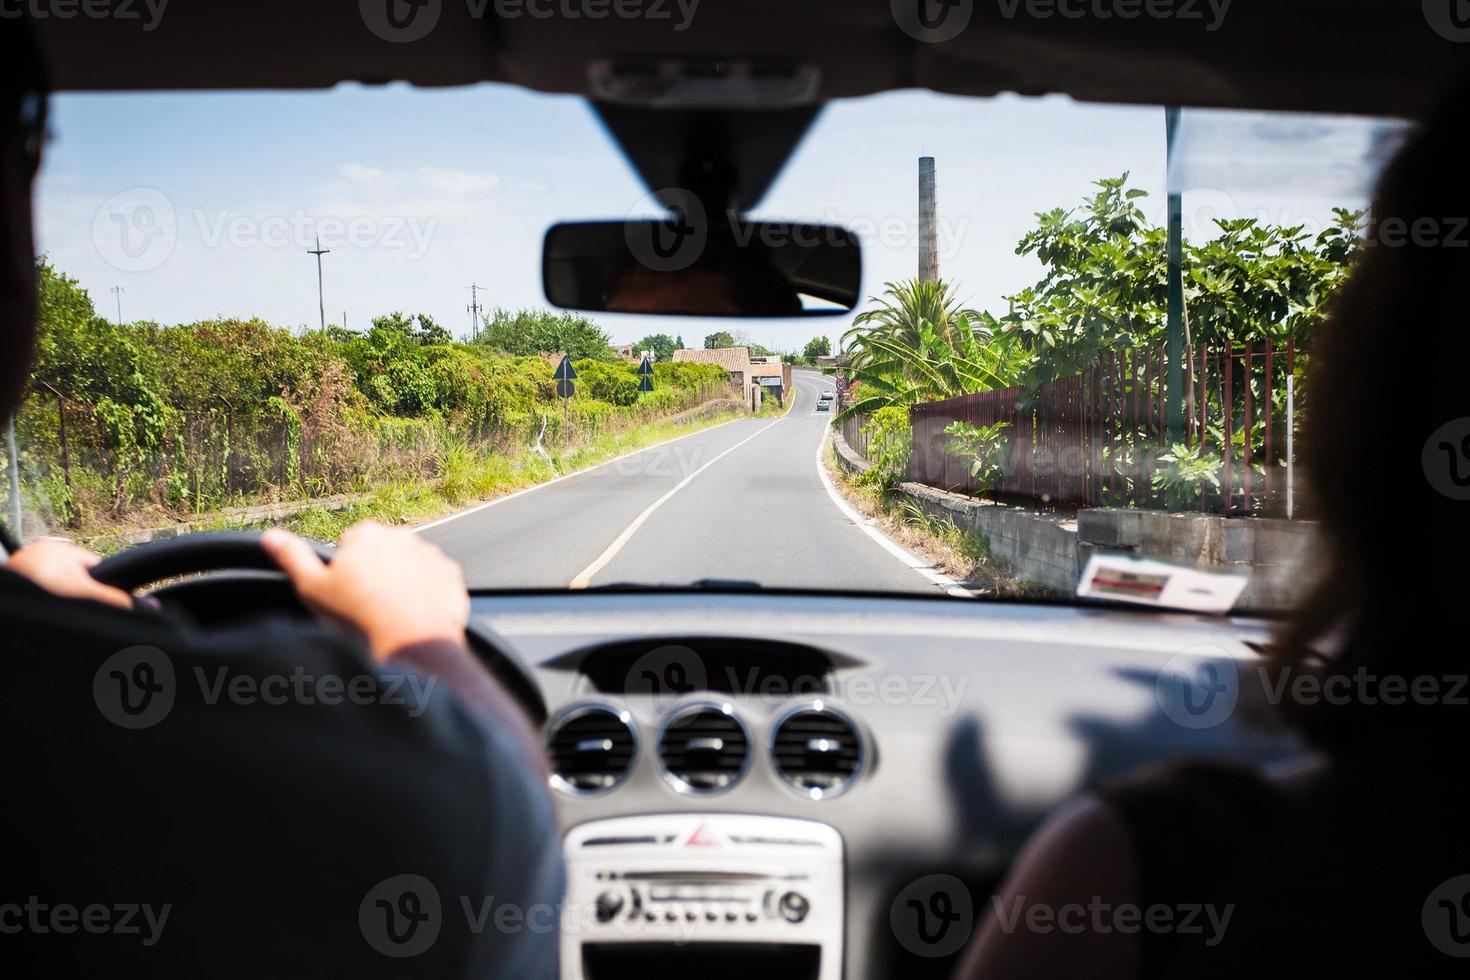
[
  {"x": 231, "y": 576},
  {"x": 190, "y": 554}
]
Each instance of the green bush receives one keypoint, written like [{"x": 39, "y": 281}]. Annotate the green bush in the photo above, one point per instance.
[
  {"x": 890, "y": 444},
  {"x": 616, "y": 384},
  {"x": 984, "y": 447},
  {"x": 193, "y": 417}
]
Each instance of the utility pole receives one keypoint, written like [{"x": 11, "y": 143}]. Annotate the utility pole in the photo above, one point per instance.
[
  {"x": 321, "y": 299},
  {"x": 1174, "y": 338},
  {"x": 474, "y": 309},
  {"x": 117, "y": 291}
]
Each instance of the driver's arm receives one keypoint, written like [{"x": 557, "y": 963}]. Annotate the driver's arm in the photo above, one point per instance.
[{"x": 408, "y": 603}]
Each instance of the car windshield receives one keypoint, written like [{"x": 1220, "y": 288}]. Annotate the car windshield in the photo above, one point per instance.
[{"x": 311, "y": 309}]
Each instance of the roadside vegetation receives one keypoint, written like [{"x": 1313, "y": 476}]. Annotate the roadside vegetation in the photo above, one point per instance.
[
  {"x": 467, "y": 479},
  {"x": 1103, "y": 293},
  {"x": 141, "y": 425},
  {"x": 1104, "y": 289},
  {"x": 961, "y": 554}
]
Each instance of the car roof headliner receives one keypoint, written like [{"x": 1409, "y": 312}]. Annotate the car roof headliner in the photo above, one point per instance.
[{"x": 1357, "y": 56}]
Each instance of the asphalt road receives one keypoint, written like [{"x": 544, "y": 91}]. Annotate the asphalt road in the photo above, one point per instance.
[{"x": 742, "y": 501}]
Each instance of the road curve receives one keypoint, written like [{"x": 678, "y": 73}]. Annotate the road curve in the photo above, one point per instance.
[{"x": 741, "y": 501}]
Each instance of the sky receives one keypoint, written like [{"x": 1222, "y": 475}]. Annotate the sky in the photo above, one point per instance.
[{"x": 204, "y": 205}]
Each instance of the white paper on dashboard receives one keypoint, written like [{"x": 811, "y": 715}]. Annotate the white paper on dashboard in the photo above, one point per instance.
[{"x": 1121, "y": 577}]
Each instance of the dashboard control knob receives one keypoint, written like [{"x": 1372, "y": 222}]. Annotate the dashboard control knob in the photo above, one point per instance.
[
  {"x": 608, "y": 905},
  {"x": 793, "y": 907}
]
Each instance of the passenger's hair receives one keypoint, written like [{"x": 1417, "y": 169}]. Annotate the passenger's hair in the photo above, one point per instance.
[
  {"x": 22, "y": 125},
  {"x": 1389, "y": 367}
]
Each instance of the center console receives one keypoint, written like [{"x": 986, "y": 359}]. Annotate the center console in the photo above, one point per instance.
[{"x": 707, "y": 895}]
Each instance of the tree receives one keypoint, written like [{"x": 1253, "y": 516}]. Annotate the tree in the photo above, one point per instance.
[
  {"x": 419, "y": 329},
  {"x": 432, "y": 333},
  {"x": 818, "y": 347},
  {"x": 526, "y": 333},
  {"x": 718, "y": 340},
  {"x": 662, "y": 345},
  {"x": 920, "y": 344},
  {"x": 91, "y": 359},
  {"x": 1105, "y": 284}
]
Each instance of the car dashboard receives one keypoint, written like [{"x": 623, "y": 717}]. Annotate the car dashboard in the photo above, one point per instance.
[{"x": 828, "y": 786}]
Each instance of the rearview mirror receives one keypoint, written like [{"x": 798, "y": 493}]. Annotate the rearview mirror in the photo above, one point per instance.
[{"x": 681, "y": 267}]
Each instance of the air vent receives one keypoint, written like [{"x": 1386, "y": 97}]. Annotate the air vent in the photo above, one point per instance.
[
  {"x": 704, "y": 749},
  {"x": 817, "y": 751},
  {"x": 592, "y": 749}
]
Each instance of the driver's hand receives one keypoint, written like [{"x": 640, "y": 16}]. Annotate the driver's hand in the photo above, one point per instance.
[
  {"x": 389, "y": 584},
  {"x": 63, "y": 569}
]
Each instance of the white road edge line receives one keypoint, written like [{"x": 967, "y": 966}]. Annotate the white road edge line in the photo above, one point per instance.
[
  {"x": 585, "y": 575},
  {"x": 895, "y": 549},
  {"x": 567, "y": 476}
]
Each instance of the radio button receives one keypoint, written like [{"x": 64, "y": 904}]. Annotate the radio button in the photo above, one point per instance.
[
  {"x": 793, "y": 907},
  {"x": 608, "y": 905}
]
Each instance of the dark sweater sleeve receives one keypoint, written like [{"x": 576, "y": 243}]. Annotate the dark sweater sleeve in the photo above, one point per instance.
[
  {"x": 515, "y": 916},
  {"x": 275, "y": 806},
  {"x": 454, "y": 665}
]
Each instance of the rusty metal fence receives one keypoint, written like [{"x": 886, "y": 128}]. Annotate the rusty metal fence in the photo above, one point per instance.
[
  {"x": 1099, "y": 439},
  {"x": 855, "y": 435}
]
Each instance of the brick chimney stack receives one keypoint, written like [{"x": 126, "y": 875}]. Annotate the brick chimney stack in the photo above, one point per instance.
[{"x": 928, "y": 223}]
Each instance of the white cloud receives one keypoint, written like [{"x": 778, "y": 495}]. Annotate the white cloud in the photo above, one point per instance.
[
  {"x": 425, "y": 191},
  {"x": 453, "y": 181},
  {"x": 372, "y": 178}
]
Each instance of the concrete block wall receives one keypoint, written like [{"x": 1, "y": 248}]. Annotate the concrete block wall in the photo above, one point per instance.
[
  {"x": 1276, "y": 553},
  {"x": 1038, "y": 548},
  {"x": 1051, "y": 551}
]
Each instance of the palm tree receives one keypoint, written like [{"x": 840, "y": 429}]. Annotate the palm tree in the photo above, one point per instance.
[{"x": 920, "y": 344}]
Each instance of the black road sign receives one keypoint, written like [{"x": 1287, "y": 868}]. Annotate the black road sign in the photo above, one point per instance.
[
  {"x": 645, "y": 383},
  {"x": 565, "y": 371},
  {"x": 565, "y": 388},
  {"x": 645, "y": 369}
]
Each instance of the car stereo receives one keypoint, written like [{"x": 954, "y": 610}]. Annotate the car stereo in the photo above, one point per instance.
[{"x": 667, "y": 892}]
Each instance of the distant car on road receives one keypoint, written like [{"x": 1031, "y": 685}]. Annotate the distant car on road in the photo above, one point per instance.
[
  {"x": 824, "y": 405},
  {"x": 828, "y": 396}
]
